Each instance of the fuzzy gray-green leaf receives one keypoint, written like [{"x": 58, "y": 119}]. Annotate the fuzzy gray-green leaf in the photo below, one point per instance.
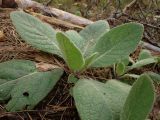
[
  {"x": 78, "y": 40},
  {"x": 10, "y": 71},
  {"x": 89, "y": 60},
  {"x": 14, "y": 69},
  {"x": 143, "y": 62},
  {"x": 31, "y": 89},
  {"x": 144, "y": 54},
  {"x": 91, "y": 34},
  {"x": 140, "y": 100},
  {"x": 72, "y": 79},
  {"x": 35, "y": 32},
  {"x": 120, "y": 68},
  {"x": 154, "y": 76},
  {"x": 98, "y": 101},
  {"x": 72, "y": 55},
  {"x": 117, "y": 44}
]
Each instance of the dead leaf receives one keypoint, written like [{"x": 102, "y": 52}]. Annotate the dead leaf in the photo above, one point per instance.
[{"x": 43, "y": 67}]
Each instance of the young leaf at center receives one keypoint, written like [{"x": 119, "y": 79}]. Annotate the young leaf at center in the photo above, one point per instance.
[{"x": 72, "y": 55}]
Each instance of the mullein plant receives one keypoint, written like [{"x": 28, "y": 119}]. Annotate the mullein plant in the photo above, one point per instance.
[{"x": 95, "y": 46}]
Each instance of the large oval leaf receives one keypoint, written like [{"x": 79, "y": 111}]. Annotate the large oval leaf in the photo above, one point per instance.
[
  {"x": 17, "y": 76},
  {"x": 99, "y": 101},
  {"x": 91, "y": 33},
  {"x": 72, "y": 55},
  {"x": 10, "y": 71},
  {"x": 118, "y": 43},
  {"x": 140, "y": 100},
  {"x": 14, "y": 69},
  {"x": 35, "y": 32},
  {"x": 31, "y": 89}
]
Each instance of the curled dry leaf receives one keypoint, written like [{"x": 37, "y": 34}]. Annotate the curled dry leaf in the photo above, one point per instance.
[{"x": 43, "y": 67}]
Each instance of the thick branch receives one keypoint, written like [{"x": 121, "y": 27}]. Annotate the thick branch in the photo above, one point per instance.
[{"x": 54, "y": 12}]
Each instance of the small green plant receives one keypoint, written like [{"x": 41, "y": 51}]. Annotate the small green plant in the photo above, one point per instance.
[
  {"x": 145, "y": 58},
  {"x": 95, "y": 46}
]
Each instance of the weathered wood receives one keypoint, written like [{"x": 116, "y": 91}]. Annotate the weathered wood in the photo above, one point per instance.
[
  {"x": 62, "y": 15},
  {"x": 150, "y": 47},
  {"x": 55, "y": 21}
]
